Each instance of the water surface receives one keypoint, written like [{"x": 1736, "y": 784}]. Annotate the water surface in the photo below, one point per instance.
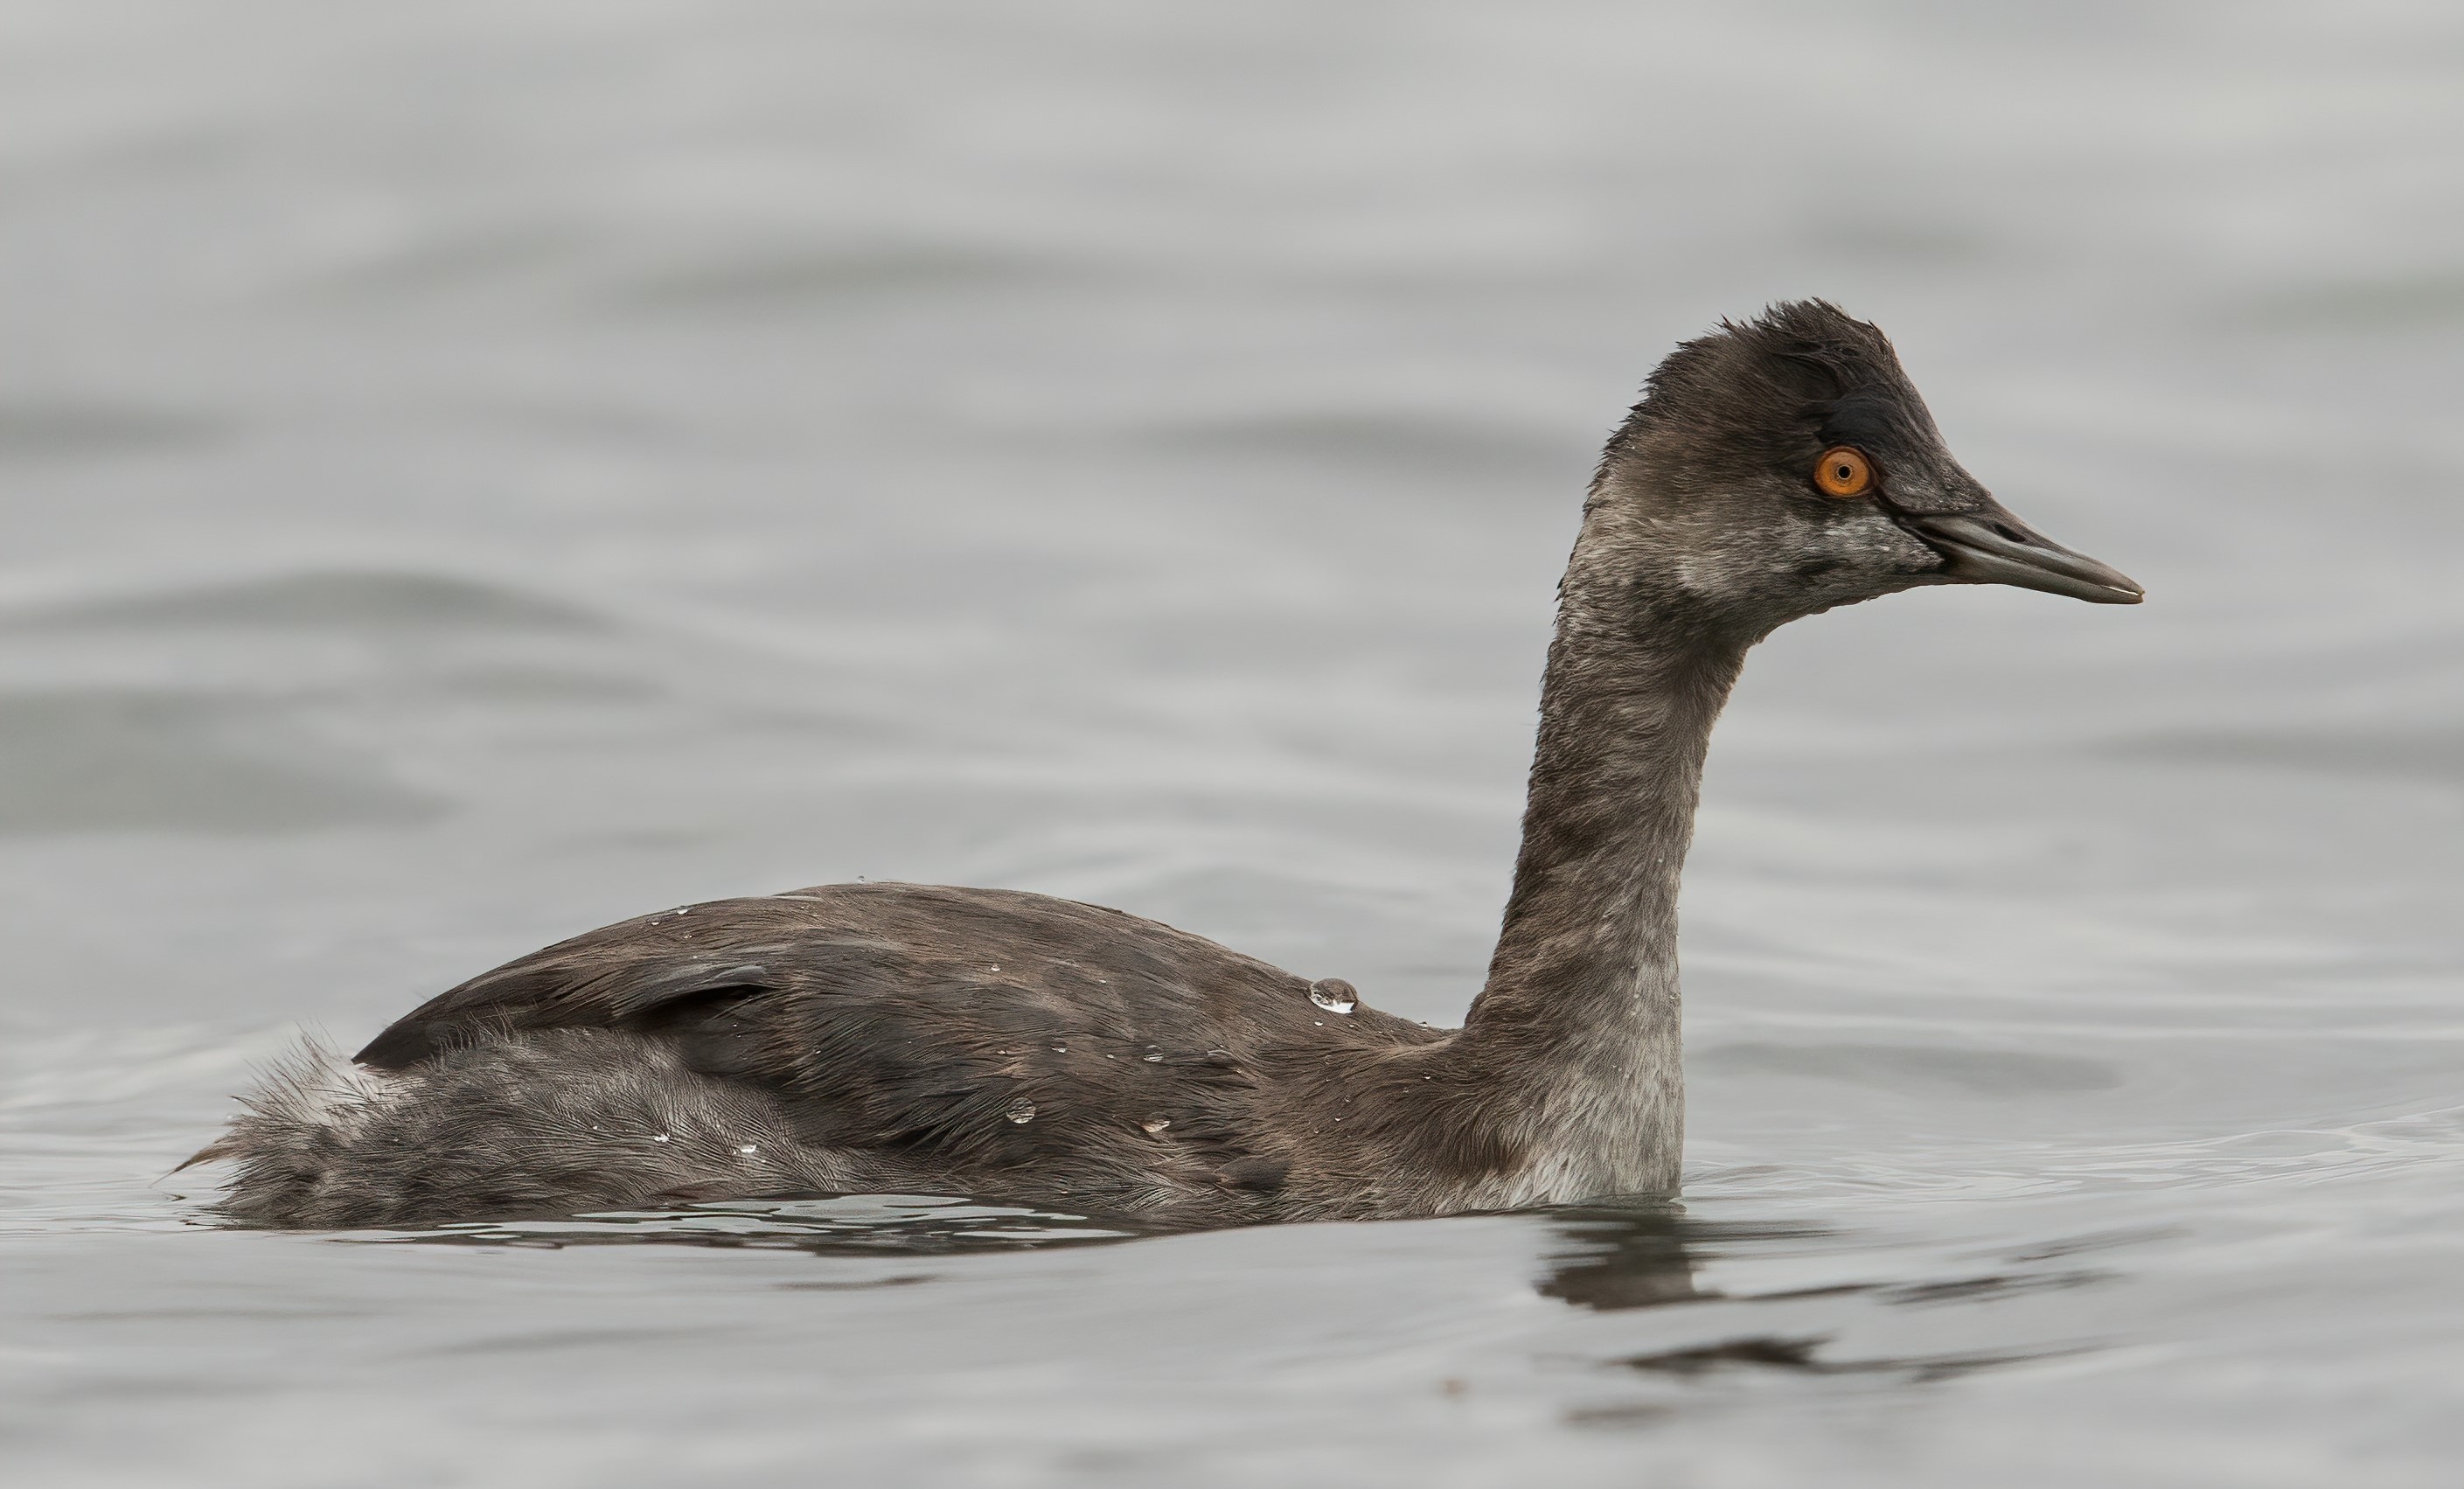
[{"x": 477, "y": 471}]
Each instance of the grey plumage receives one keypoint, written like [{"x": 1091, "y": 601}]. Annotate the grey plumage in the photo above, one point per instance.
[{"x": 898, "y": 1037}]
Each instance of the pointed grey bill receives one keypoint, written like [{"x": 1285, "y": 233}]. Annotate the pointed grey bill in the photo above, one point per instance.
[{"x": 1992, "y": 547}]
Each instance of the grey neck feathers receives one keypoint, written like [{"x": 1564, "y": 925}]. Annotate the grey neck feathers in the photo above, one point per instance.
[{"x": 1578, "y": 1022}]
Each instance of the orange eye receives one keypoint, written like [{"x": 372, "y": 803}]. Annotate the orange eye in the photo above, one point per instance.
[{"x": 1843, "y": 471}]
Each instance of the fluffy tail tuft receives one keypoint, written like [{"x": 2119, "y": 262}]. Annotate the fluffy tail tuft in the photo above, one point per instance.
[
  {"x": 292, "y": 1134},
  {"x": 542, "y": 1122}
]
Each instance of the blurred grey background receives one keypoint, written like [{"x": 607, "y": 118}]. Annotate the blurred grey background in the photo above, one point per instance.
[{"x": 473, "y": 471}]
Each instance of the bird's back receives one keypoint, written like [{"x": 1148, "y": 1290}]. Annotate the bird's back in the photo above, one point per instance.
[{"x": 849, "y": 1037}]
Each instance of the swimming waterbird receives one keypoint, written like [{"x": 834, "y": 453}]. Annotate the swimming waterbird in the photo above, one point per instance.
[{"x": 912, "y": 1037}]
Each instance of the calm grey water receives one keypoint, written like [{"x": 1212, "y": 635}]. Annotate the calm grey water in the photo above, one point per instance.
[{"x": 476, "y": 470}]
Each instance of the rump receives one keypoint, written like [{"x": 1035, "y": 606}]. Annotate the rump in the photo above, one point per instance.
[{"x": 514, "y": 1122}]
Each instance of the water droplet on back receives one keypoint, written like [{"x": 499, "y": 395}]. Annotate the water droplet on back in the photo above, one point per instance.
[
  {"x": 1021, "y": 1110},
  {"x": 1153, "y": 1057},
  {"x": 1156, "y": 1125},
  {"x": 1334, "y": 994}
]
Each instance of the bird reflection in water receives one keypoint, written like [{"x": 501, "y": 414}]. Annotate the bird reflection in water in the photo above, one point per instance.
[
  {"x": 1610, "y": 1257},
  {"x": 1645, "y": 1254}
]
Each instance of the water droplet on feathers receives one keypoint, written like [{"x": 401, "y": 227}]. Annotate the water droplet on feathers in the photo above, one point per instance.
[
  {"x": 1021, "y": 1111},
  {"x": 1334, "y": 994}
]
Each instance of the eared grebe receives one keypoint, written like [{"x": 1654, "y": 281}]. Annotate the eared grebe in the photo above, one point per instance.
[{"x": 909, "y": 1037}]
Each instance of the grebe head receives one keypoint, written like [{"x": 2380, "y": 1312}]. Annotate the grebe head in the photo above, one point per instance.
[{"x": 1781, "y": 466}]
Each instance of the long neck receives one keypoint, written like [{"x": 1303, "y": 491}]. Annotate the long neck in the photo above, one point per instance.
[{"x": 1578, "y": 1022}]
